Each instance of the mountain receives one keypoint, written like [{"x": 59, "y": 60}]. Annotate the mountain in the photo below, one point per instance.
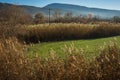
[
  {"x": 82, "y": 10},
  {"x": 64, "y": 8}
]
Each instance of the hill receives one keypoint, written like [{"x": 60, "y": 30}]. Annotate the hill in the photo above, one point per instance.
[
  {"x": 64, "y": 8},
  {"x": 82, "y": 10}
]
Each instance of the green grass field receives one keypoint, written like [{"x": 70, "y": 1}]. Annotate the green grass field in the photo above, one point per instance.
[{"x": 91, "y": 47}]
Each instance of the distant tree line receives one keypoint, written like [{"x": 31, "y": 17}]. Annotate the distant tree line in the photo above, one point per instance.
[{"x": 15, "y": 15}]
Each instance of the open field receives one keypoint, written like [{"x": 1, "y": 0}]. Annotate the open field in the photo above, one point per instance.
[
  {"x": 66, "y": 47},
  {"x": 60, "y": 52},
  {"x": 90, "y": 46},
  {"x": 16, "y": 65},
  {"x": 70, "y": 59}
]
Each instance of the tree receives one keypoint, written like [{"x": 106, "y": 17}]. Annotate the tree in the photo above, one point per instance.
[
  {"x": 10, "y": 17},
  {"x": 13, "y": 15},
  {"x": 39, "y": 18},
  {"x": 26, "y": 19},
  {"x": 90, "y": 16},
  {"x": 68, "y": 16},
  {"x": 57, "y": 16},
  {"x": 116, "y": 19}
]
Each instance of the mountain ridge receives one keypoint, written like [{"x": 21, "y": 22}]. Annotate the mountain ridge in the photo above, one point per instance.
[
  {"x": 64, "y": 8},
  {"x": 80, "y": 6}
]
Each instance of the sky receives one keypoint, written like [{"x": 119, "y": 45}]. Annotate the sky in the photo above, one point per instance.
[{"x": 106, "y": 4}]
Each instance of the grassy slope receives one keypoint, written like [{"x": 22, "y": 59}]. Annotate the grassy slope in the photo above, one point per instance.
[{"x": 90, "y": 46}]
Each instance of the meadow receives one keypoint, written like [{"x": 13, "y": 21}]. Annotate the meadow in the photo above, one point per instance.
[
  {"x": 15, "y": 64},
  {"x": 68, "y": 48},
  {"x": 60, "y": 52},
  {"x": 91, "y": 47}
]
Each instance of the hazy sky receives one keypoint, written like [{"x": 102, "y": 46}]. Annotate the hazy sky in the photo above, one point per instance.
[{"x": 107, "y": 4}]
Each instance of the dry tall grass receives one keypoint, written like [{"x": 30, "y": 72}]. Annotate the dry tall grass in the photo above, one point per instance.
[
  {"x": 15, "y": 65},
  {"x": 58, "y": 32}
]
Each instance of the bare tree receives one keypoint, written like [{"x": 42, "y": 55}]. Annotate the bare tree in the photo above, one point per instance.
[
  {"x": 90, "y": 16},
  {"x": 57, "y": 16},
  {"x": 26, "y": 19},
  {"x": 116, "y": 19},
  {"x": 10, "y": 17},
  {"x": 68, "y": 16},
  {"x": 39, "y": 18},
  {"x": 13, "y": 15}
]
